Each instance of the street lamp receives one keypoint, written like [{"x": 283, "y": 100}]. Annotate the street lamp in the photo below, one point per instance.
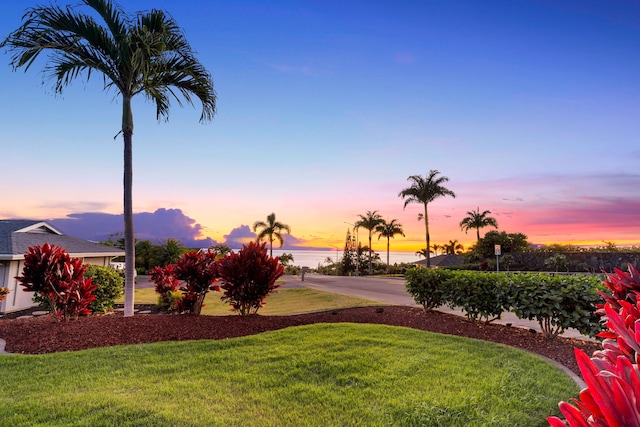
[{"x": 355, "y": 230}]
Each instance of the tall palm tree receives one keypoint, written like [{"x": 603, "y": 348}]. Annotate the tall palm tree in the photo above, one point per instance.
[
  {"x": 271, "y": 229},
  {"x": 477, "y": 220},
  {"x": 369, "y": 221},
  {"x": 146, "y": 53},
  {"x": 424, "y": 190},
  {"x": 389, "y": 230}
]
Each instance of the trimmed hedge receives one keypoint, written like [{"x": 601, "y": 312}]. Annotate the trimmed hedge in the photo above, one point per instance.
[{"x": 557, "y": 302}]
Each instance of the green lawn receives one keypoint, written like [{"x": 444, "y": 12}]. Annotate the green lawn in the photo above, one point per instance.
[
  {"x": 287, "y": 301},
  {"x": 324, "y": 375}
]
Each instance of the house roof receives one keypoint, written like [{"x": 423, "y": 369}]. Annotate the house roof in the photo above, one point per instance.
[
  {"x": 16, "y": 236},
  {"x": 442, "y": 261}
]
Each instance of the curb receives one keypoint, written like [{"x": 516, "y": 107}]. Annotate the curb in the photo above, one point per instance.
[{"x": 3, "y": 343}]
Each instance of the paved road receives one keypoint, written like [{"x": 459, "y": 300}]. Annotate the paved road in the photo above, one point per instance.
[{"x": 391, "y": 290}]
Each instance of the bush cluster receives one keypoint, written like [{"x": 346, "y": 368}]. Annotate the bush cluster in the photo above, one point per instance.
[
  {"x": 66, "y": 287},
  {"x": 556, "y": 302},
  {"x": 246, "y": 279}
]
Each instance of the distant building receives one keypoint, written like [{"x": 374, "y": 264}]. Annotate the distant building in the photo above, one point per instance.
[
  {"x": 16, "y": 236},
  {"x": 441, "y": 261}
]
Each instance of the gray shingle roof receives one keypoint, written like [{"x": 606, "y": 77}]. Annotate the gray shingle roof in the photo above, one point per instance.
[
  {"x": 442, "y": 261},
  {"x": 16, "y": 236}
]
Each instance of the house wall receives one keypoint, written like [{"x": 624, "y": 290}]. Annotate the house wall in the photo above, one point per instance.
[{"x": 18, "y": 299}]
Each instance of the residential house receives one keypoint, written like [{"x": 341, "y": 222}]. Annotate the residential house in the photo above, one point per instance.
[{"x": 16, "y": 236}]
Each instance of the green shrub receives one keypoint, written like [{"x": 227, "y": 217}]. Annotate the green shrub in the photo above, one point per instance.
[
  {"x": 110, "y": 287},
  {"x": 428, "y": 286},
  {"x": 480, "y": 295},
  {"x": 557, "y": 302}
]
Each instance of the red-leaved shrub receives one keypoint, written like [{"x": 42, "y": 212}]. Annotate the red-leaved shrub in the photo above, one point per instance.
[
  {"x": 248, "y": 277},
  {"x": 167, "y": 288},
  {"x": 612, "y": 396},
  {"x": 198, "y": 271},
  {"x": 59, "y": 279},
  {"x": 3, "y": 293}
]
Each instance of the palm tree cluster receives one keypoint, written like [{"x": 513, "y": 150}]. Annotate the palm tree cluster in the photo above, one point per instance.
[
  {"x": 372, "y": 221},
  {"x": 146, "y": 53},
  {"x": 424, "y": 190}
]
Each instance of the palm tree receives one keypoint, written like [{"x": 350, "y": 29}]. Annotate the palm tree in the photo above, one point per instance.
[
  {"x": 423, "y": 253},
  {"x": 170, "y": 252},
  {"x": 425, "y": 190},
  {"x": 146, "y": 53},
  {"x": 369, "y": 221},
  {"x": 477, "y": 220},
  {"x": 436, "y": 247},
  {"x": 271, "y": 229},
  {"x": 453, "y": 247},
  {"x": 389, "y": 230},
  {"x": 144, "y": 255}
]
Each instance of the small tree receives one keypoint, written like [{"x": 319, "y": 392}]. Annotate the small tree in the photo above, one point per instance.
[
  {"x": 248, "y": 277},
  {"x": 556, "y": 262},
  {"x": 58, "y": 279}
]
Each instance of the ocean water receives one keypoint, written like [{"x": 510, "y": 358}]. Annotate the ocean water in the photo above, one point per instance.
[{"x": 313, "y": 258}]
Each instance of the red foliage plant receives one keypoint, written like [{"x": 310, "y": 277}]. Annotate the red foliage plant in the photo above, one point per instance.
[
  {"x": 166, "y": 287},
  {"x": 198, "y": 271},
  {"x": 3, "y": 293},
  {"x": 50, "y": 272},
  {"x": 612, "y": 396},
  {"x": 248, "y": 277}
]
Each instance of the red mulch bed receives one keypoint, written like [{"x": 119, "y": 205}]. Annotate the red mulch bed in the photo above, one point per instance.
[{"x": 46, "y": 335}]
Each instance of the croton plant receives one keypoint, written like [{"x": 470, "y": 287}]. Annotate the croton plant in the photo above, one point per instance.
[{"x": 612, "y": 396}]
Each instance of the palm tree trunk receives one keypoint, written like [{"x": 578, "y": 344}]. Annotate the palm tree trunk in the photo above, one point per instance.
[
  {"x": 426, "y": 229},
  {"x": 478, "y": 233},
  {"x": 270, "y": 246},
  {"x": 370, "y": 265},
  {"x": 129, "y": 244},
  {"x": 387, "y": 254}
]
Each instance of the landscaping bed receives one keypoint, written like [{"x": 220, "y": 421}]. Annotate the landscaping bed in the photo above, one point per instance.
[{"x": 44, "y": 334}]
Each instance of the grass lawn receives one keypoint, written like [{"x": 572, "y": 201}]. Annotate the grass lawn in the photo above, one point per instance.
[
  {"x": 324, "y": 375},
  {"x": 287, "y": 301}
]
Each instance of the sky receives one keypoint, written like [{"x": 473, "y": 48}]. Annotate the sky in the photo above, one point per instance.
[{"x": 530, "y": 107}]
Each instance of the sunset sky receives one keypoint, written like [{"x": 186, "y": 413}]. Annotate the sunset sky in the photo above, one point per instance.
[{"x": 530, "y": 108}]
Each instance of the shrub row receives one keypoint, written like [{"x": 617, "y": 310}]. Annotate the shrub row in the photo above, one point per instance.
[{"x": 556, "y": 302}]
